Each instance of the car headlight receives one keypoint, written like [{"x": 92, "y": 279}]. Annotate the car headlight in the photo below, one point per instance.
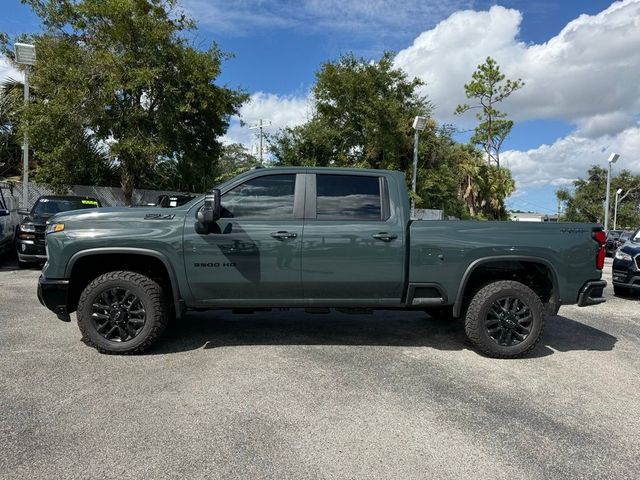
[
  {"x": 28, "y": 228},
  {"x": 55, "y": 227},
  {"x": 620, "y": 255}
]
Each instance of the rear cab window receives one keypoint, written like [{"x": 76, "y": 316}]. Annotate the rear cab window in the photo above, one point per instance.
[{"x": 351, "y": 197}]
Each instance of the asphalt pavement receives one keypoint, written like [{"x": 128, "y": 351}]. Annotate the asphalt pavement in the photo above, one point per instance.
[{"x": 292, "y": 395}]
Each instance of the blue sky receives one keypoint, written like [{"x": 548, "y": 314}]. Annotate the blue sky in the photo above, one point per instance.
[{"x": 580, "y": 61}]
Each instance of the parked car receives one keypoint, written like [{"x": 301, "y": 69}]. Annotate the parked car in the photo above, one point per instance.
[
  {"x": 7, "y": 227},
  {"x": 171, "y": 201},
  {"x": 30, "y": 234},
  {"x": 626, "y": 267},
  {"x": 612, "y": 242},
  {"x": 315, "y": 238}
]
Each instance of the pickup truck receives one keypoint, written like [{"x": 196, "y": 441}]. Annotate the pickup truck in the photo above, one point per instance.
[{"x": 313, "y": 238}]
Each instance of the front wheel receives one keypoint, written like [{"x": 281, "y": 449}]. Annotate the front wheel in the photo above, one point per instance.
[
  {"x": 504, "y": 319},
  {"x": 122, "y": 312}
]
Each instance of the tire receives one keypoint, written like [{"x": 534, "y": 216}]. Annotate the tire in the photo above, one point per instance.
[
  {"x": 519, "y": 329},
  {"x": 621, "y": 291},
  {"x": 122, "y": 312}
]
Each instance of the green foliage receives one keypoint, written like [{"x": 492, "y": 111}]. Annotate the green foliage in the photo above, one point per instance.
[
  {"x": 488, "y": 87},
  {"x": 117, "y": 77},
  {"x": 362, "y": 117},
  {"x": 10, "y": 144},
  {"x": 585, "y": 203}
]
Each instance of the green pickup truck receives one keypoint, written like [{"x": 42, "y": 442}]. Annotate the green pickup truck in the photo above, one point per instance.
[{"x": 313, "y": 238}]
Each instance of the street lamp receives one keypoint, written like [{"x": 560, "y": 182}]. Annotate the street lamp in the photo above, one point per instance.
[
  {"x": 613, "y": 158},
  {"x": 419, "y": 124},
  {"x": 25, "y": 55},
  {"x": 615, "y": 209}
]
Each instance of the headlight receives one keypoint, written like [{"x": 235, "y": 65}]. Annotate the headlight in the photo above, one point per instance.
[
  {"x": 620, "y": 255},
  {"x": 55, "y": 227},
  {"x": 27, "y": 228}
]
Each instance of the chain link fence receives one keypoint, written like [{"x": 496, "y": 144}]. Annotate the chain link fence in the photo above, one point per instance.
[{"x": 108, "y": 196}]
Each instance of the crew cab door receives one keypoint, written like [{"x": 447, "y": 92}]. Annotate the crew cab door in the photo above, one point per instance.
[
  {"x": 353, "y": 249},
  {"x": 254, "y": 254}
]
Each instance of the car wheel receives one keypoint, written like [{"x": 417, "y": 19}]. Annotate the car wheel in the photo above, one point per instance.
[
  {"x": 122, "y": 312},
  {"x": 504, "y": 319}
]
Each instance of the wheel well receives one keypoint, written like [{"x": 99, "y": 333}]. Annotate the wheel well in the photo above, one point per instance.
[
  {"x": 87, "y": 268},
  {"x": 535, "y": 275}
]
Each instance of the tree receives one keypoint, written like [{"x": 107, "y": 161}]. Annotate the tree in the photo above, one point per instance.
[
  {"x": 362, "y": 116},
  {"x": 586, "y": 202},
  {"x": 118, "y": 76},
  {"x": 488, "y": 87}
]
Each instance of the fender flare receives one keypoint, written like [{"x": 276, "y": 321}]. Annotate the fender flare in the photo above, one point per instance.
[
  {"x": 457, "y": 306},
  {"x": 178, "y": 302}
]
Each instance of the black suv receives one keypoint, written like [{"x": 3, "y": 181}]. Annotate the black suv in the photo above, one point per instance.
[
  {"x": 612, "y": 242},
  {"x": 626, "y": 266},
  {"x": 30, "y": 233}
]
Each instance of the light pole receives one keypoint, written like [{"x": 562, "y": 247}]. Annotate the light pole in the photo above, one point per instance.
[
  {"x": 613, "y": 158},
  {"x": 615, "y": 209},
  {"x": 419, "y": 124},
  {"x": 25, "y": 55}
]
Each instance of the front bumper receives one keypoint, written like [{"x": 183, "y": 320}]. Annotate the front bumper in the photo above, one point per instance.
[
  {"x": 53, "y": 294},
  {"x": 591, "y": 293},
  {"x": 625, "y": 280},
  {"x": 30, "y": 251}
]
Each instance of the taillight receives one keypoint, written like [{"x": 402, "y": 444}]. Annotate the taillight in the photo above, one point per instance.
[{"x": 601, "y": 238}]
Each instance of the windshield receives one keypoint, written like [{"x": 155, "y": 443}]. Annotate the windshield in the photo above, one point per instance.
[
  {"x": 51, "y": 206},
  {"x": 636, "y": 237}
]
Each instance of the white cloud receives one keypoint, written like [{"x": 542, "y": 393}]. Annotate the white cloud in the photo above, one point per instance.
[
  {"x": 570, "y": 157},
  {"x": 362, "y": 18},
  {"x": 281, "y": 111},
  {"x": 8, "y": 71},
  {"x": 590, "y": 68}
]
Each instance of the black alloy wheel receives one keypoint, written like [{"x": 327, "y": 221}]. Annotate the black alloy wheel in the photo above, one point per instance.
[
  {"x": 118, "y": 314},
  {"x": 508, "y": 321}
]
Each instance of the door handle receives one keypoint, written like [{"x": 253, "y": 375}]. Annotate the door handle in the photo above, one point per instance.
[
  {"x": 282, "y": 235},
  {"x": 384, "y": 236}
]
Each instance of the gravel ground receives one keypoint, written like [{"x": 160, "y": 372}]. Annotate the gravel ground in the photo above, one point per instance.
[{"x": 293, "y": 395}]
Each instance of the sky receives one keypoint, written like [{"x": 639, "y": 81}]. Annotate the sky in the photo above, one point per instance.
[{"x": 579, "y": 59}]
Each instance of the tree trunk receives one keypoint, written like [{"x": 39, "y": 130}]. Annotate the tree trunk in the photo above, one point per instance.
[{"x": 127, "y": 181}]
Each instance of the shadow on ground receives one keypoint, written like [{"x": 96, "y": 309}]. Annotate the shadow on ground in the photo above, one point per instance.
[
  {"x": 9, "y": 263},
  {"x": 407, "y": 329}
]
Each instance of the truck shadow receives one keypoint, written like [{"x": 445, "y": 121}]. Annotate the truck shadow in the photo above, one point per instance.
[{"x": 405, "y": 329}]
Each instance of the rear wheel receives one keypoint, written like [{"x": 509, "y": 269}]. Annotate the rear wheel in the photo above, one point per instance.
[
  {"x": 122, "y": 312},
  {"x": 505, "y": 319}
]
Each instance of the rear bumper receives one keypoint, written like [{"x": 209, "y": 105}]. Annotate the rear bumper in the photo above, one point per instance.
[
  {"x": 591, "y": 293},
  {"x": 53, "y": 295}
]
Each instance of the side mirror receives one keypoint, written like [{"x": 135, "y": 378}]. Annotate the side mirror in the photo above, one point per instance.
[
  {"x": 210, "y": 211},
  {"x": 4, "y": 212},
  {"x": 23, "y": 211}
]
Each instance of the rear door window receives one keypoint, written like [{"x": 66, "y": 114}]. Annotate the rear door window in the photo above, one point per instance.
[{"x": 348, "y": 197}]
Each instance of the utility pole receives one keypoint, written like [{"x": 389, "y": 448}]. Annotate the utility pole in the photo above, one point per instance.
[
  {"x": 26, "y": 56},
  {"x": 260, "y": 126}
]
